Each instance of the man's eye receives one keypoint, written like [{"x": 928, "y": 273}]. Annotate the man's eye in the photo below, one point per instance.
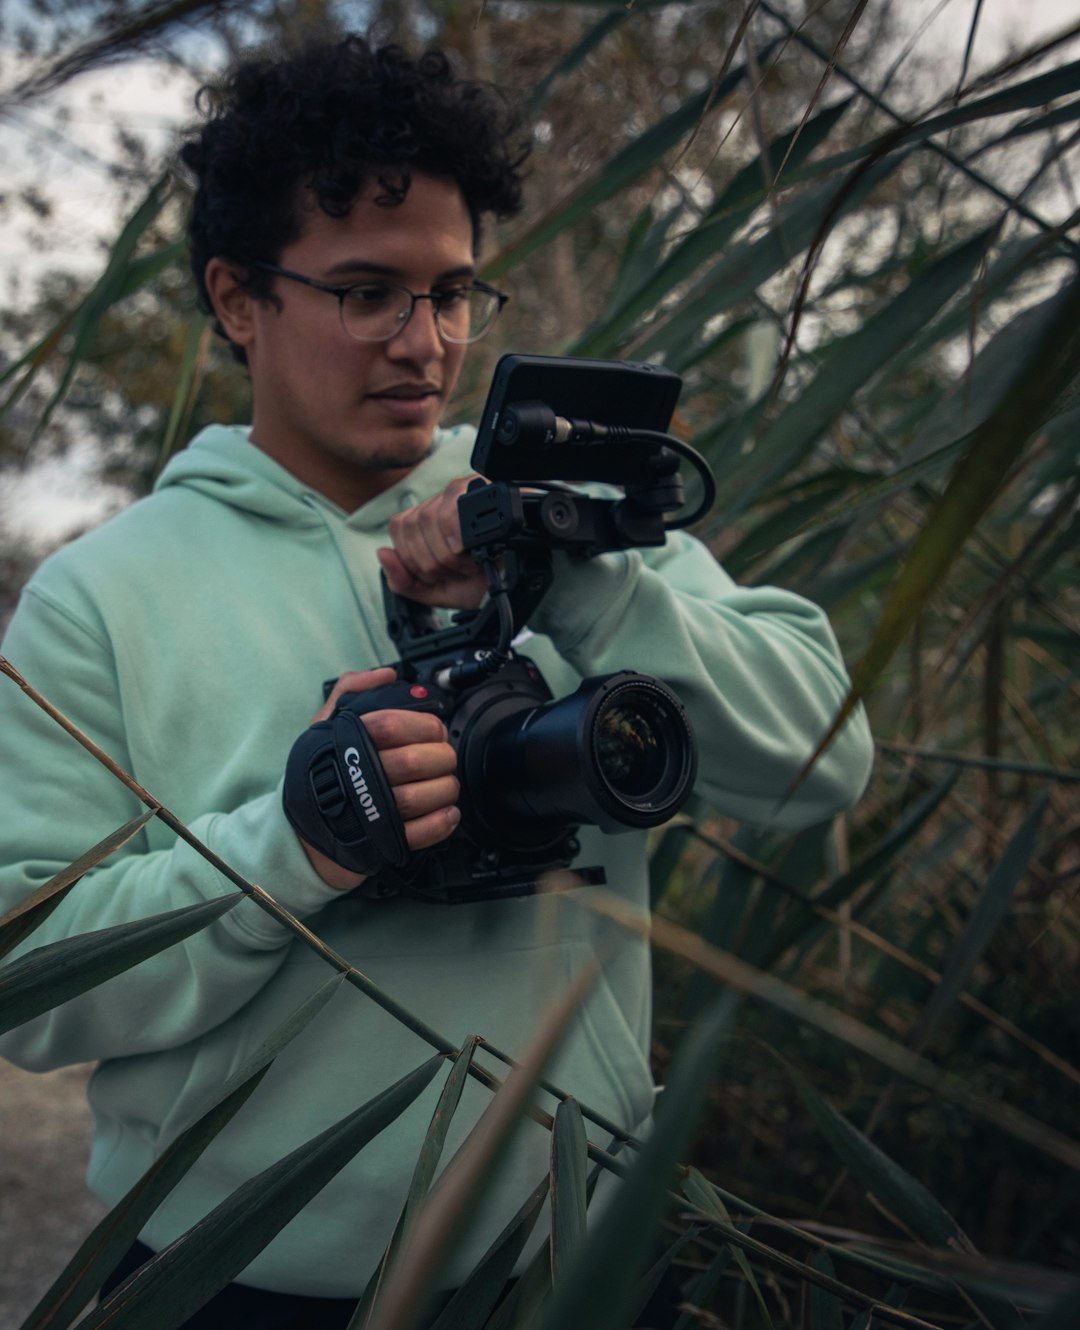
[
  {"x": 371, "y": 297},
  {"x": 453, "y": 296}
]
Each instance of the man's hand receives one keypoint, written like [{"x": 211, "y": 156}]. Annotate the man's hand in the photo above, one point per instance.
[
  {"x": 428, "y": 562},
  {"x": 419, "y": 765}
]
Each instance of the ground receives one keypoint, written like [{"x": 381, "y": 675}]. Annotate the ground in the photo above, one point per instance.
[{"x": 45, "y": 1209}]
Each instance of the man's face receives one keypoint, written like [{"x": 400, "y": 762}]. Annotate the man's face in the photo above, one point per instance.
[{"x": 350, "y": 418}]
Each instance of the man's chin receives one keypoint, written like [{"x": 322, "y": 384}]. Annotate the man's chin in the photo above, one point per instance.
[
  {"x": 398, "y": 459},
  {"x": 389, "y": 450}
]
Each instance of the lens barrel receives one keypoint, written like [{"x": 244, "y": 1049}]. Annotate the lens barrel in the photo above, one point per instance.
[{"x": 618, "y": 753}]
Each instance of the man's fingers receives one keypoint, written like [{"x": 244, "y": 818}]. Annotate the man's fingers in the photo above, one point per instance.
[
  {"x": 427, "y": 560},
  {"x": 431, "y": 829},
  {"x": 391, "y": 730},
  {"x": 418, "y": 761},
  {"x": 422, "y": 797}
]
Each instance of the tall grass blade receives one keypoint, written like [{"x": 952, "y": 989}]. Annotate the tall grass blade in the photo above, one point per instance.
[
  {"x": 665, "y": 860},
  {"x": 881, "y": 1265},
  {"x": 973, "y": 399},
  {"x": 749, "y": 264},
  {"x": 426, "y": 1163},
  {"x": 1041, "y": 378},
  {"x": 651, "y": 1281},
  {"x": 97, "y": 1257},
  {"x": 597, "y": 1290},
  {"x": 569, "y": 1169},
  {"x": 706, "y": 241},
  {"x": 520, "y": 1309},
  {"x": 474, "y": 1301},
  {"x": 1033, "y": 93},
  {"x": 575, "y": 58},
  {"x": 838, "y": 1024},
  {"x": 628, "y": 165},
  {"x": 900, "y": 835},
  {"x": 140, "y": 271},
  {"x": 704, "y": 1198},
  {"x": 896, "y": 1297},
  {"x": 1065, "y": 1316},
  {"x": 826, "y": 1309},
  {"x": 901, "y": 1194},
  {"x": 121, "y": 37},
  {"x": 993, "y": 902},
  {"x": 699, "y": 1295},
  {"x": 21, "y": 921},
  {"x": 185, "y": 1275},
  {"x": 852, "y": 361},
  {"x": 51, "y": 975},
  {"x": 113, "y": 283},
  {"x": 453, "y": 1202}
]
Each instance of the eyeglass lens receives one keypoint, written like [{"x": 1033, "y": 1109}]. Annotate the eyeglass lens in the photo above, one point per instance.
[{"x": 376, "y": 313}]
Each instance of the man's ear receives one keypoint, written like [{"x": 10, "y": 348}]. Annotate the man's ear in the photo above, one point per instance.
[{"x": 233, "y": 303}]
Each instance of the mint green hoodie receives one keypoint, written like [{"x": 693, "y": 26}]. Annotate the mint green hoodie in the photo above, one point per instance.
[{"x": 189, "y": 637}]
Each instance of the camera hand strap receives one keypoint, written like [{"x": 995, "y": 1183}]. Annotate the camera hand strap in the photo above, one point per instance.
[{"x": 338, "y": 799}]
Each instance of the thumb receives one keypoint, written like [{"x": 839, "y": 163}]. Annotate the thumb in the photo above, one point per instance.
[{"x": 354, "y": 681}]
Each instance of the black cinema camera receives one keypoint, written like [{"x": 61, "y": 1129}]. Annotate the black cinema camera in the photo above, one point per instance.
[{"x": 618, "y": 753}]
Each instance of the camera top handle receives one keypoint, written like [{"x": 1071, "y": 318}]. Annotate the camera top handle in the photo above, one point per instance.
[{"x": 513, "y": 531}]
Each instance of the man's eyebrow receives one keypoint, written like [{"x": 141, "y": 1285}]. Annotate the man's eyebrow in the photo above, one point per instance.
[{"x": 361, "y": 267}]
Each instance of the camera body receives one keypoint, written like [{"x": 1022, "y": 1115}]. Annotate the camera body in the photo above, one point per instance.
[{"x": 618, "y": 753}]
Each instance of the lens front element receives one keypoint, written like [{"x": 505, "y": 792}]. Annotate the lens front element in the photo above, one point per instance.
[
  {"x": 628, "y": 751},
  {"x": 642, "y": 747}
]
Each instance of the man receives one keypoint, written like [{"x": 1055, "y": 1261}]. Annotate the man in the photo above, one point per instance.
[{"x": 334, "y": 235}]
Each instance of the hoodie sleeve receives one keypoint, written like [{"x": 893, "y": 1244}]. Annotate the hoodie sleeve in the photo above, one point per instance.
[
  {"x": 58, "y": 802},
  {"x": 758, "y": 669}
]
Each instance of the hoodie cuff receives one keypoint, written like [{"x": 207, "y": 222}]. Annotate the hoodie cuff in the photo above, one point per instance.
[{"x": 259, "y": 843}]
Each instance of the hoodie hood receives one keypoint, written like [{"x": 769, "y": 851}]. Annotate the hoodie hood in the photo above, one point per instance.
[{"x": 222, "y": 463}]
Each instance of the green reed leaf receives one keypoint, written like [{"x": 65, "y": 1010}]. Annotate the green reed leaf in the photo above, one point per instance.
[
  {"x": 1043, "y": 375},
  {"x": 990, "y": 909},
  {"x": 426, "y": 1163},
  {"x": 180, "y": 1279},
  {"x": 850, "y": 362},
  {"x": 21, "y": 921},
  {"x": 901, "y": 1194},
  {"x": 474, "y": 1301},
  {"x": 569, "y": 1168},
  {"x": 826, "y": 1309},
  {"x": 621, "y": 170},
  {"x": 51, "y": 975},
  {"x": 705, "y": 1199},
  {"x": 99, "y": 1254},
  {"x": 597, "y": 1290},
  {"x": 454, "y": 1200},
  {"x": 732, "y": 209}
]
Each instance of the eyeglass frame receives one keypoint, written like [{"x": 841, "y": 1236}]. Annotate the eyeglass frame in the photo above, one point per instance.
[{"x": 436, "y": 298}]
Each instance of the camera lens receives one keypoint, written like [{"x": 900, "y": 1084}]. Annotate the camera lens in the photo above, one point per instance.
[
  {"x": 618, "y": 753},
  {"x": 629, "y": 754}
]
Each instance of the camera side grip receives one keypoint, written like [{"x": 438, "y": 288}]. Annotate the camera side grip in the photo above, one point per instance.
[{"x": 338, "y": 799}]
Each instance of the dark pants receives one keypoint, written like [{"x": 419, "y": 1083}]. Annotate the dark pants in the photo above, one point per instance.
[{"x": 238, "y": 1307}]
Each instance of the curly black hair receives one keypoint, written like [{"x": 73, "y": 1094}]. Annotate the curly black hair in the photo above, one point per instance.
[{"x": 330, "y": 118}]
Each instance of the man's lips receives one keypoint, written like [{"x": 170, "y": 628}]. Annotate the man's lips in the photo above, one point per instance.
[
  {"x": 407, "y": 392},
  {"x": 407, "y": 402}
]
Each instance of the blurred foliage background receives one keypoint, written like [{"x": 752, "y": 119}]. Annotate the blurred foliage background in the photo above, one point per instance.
[{"x": 863, "y": 260}]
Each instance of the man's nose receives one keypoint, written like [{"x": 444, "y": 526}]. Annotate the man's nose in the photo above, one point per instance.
[{"x": 419, "y": 339}]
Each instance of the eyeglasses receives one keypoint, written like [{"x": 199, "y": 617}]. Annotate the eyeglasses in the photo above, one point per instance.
[{"x": 378, "y": 311}]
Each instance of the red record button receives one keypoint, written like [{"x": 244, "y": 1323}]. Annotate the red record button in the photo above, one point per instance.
[{"x": 418, "y": 690}]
